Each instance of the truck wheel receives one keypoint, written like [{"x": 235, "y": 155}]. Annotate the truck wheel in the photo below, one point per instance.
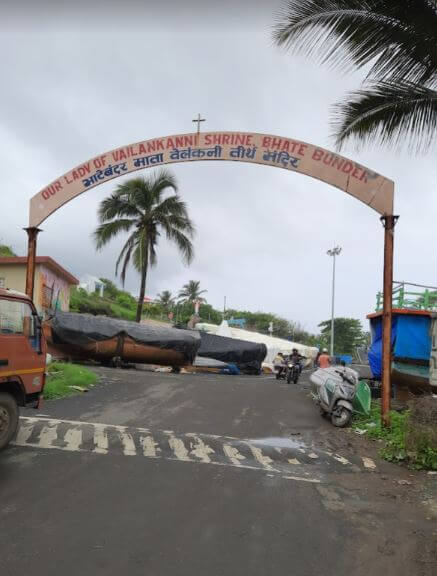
[{"x": 8, "y": 419}]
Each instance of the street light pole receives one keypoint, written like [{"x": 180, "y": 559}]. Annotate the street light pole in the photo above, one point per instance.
[{"x": 333, "y": 252}]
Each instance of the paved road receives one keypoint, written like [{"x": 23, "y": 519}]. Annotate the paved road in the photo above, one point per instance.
[{"x": 164, "y": 474}]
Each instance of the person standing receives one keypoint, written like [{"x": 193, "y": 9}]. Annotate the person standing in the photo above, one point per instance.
[{"x": 324, "y": 360}]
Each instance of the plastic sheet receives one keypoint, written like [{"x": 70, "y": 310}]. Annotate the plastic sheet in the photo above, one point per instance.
[
  {"x": 248, "y": 356},
  {"x": 84, "y": 332}
]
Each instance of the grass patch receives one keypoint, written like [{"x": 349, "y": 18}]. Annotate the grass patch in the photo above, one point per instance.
[
  {"x": 61, "y": 377},
  {"x": 394, "y": 439}
]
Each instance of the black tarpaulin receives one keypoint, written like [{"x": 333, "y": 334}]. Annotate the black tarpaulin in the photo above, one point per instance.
[
  {"x": 80, "y": 330},
  {"x": 248, "y": 356}
]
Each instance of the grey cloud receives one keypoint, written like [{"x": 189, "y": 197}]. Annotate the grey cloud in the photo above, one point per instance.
[{"x": 262, "y": 234}]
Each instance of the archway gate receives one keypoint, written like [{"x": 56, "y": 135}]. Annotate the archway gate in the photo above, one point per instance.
[{"x": 359, "y": 181}]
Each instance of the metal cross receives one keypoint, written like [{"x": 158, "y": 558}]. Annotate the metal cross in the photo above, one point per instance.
[{"x": 199, "y": 119}]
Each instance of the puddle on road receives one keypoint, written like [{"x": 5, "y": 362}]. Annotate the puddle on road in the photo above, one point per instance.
[{"x": 278, "y": 442}]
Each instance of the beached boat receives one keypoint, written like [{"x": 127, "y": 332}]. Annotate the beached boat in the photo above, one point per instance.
[
  {"x": 104, "y": 339},
  {"x": 247, "y": 356},
  {"x": 411, "y": 339}
]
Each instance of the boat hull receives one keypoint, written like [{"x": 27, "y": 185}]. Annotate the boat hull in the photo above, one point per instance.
[{"x": 82, "y": 336}]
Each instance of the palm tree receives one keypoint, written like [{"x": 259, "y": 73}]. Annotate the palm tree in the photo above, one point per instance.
[
  {"x": 191, "y": 292},
  {"x": 396, "y": 40},
  {"x": 166, "y": 300},
  {"x": 139, "y": 207}
]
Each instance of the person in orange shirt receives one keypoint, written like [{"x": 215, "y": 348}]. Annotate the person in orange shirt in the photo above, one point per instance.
[{"x": 324, "y": 359}]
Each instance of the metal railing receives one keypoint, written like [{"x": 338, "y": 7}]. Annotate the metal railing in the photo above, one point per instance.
[{"x": 411, "y": 299}]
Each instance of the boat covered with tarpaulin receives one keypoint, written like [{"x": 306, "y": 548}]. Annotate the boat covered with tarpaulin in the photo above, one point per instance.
[
  {"x": 411, "y": 348},
  {"x": 103, "y": 339},
  {"x": 247, "y": 356},
  {"x": 273, "y": 345}
]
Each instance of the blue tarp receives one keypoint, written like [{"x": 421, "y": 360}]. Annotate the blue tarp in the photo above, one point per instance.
[
  {"x": 413, "y": 337},
  {"x": 375, "y": 351},
  {"x": 410, "y": 339}
]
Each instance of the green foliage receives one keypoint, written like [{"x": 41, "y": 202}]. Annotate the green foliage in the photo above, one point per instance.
[
  {"x": 348, "y": 335},
  {"x": 123, "y": 306},
  {"x": 191, "y": 292},
  {"x": 110, "y": 290},
  {"x": 156, "y": 311},
  {"x": 282, "y": 328},
  {"x": 6, "y": 251},
  {"x": 138, "y": 207},
  {"x": 125, "y": 299},
  {"x": 166, "y": 300},
  {"x": 396, "y": 43},
  {"x": 388, "y": 111},
  {"x": 62, "y": 376},
  {"x": 184, "y": 310},
  {"x": 394, "y": 447},
  {"x": 209, "y": 314}
]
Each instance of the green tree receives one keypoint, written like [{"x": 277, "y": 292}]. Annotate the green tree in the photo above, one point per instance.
[
  {"x": 183, "y": 311},
  {"x": 166, "y": 300},
  {"x": 110, "y": 290},
  {"x": 138, "y": 207},
  {"x": 300, "y": 335},
  {"x": 6, "y": 251},
  {"x": 191, "y": 292},
  {"x": 395, "y": 40},
  {"x": 348, "y": 335}
]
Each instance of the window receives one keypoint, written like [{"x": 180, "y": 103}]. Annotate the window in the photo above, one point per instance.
[
  {"x": 47, "y": 296},
  {"x": 16, "y": 318},
  {"x": 2, "y": 282}
]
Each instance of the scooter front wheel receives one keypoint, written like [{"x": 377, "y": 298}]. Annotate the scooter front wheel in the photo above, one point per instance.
[{"x": 341, "y": 417}]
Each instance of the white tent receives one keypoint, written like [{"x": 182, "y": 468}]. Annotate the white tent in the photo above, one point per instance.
[{"x": 274, "y": 345}]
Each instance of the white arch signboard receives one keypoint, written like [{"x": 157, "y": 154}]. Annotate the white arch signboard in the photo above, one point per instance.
[
  {"x": 364, "y": 184},
  {"x": 371, "y": 188}
]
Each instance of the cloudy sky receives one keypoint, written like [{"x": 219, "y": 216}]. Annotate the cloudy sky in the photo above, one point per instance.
[{"x": 79, "y": 81}]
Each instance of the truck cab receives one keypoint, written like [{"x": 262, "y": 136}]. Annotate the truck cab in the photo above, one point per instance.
[{"x": 22, "y": 360}]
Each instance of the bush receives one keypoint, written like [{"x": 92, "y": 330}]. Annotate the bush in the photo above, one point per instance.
[
  {"x": 81, "y": 301},
  {"x": 421, "y": 432},
  {"x": 126, "y": 300},
  {"x": 398, "y": 445}
]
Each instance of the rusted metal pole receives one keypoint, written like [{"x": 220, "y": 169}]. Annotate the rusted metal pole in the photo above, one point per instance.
[
  {"x": 32, "y": 233},
  {"x": 389, "y": 224}
]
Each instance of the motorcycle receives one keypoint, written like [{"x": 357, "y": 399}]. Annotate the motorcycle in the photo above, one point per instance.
[
  {"x": 339, "y": 393},
  {"x": 292, "y": 372},
  {"x": 289, "y": 371}
]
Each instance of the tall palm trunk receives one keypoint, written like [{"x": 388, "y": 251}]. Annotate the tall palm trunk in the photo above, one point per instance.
[{"x": 143, "y": 285}]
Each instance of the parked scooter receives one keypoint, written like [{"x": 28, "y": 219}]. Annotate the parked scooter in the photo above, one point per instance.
[{"x": 339, "y": 392}]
